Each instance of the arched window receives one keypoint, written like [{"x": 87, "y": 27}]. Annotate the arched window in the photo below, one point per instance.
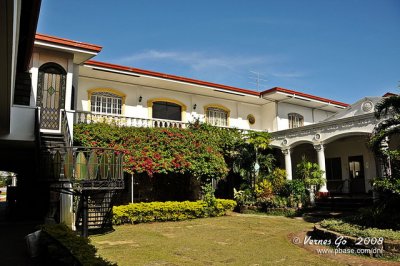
[
  {"x": 295, "y": 120},
  {"x": 51, "y": 94},
  {"x": 217, "y": 115},
  {"x": 168, "y": 109},
  {"x": 106, "y": 103}
]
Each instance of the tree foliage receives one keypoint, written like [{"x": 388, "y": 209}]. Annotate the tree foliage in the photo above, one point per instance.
[
  {"x": 251, "y": 153},
  {"x": 309, "y": 172},
  {"x": 388, "y": 110},
  {"x": 200, "y": 150}
]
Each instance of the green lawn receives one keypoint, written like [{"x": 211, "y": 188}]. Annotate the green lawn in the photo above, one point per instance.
[{"x": 232, "y": 240}]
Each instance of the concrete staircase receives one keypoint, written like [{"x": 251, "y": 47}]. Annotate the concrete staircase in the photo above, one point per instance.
[
  {"x": 343, "y": 202},
  {"x": 52, "y": 140}
]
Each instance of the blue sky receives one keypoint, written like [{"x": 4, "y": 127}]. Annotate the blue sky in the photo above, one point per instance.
[{"x": 338, "y": 49}]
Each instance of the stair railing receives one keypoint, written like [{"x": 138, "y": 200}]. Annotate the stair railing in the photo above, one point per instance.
[
  {"x": 83, "y": 171},
  {"x": 65, "y": 129}
]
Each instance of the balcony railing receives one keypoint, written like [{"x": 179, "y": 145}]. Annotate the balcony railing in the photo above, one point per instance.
[
  {"x": 86, "y": 168},
  {"x": 89, "y": 117}
]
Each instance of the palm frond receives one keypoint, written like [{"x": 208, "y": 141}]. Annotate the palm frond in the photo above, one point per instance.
[
  {"x": 386, "y": 105},
  {"x": 387, "y": 124},
  {"x": 378, "y": 137}
]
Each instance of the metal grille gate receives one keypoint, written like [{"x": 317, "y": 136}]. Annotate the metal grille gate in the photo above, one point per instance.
[{"x": 51, "y": 97}]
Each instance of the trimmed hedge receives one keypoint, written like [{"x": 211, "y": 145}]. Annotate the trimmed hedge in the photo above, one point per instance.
[
  {"x": 169, "y": 211},
  {"x": 80, "y": 248}
]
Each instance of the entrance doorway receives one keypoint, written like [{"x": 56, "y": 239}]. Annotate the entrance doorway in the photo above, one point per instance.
[
  {"x": 356, "y": 174},
  {"x": 51, "y": 95}
]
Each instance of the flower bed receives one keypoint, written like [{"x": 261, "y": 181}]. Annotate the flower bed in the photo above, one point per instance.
[
  {"x": 359, "y": 231},
  {"x": 356, "y": 236}
]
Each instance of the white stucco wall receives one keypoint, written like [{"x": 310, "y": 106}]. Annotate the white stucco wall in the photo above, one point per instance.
[
  {"x": 310, "y": 115},
  {"x": 268, "y": 117},
  {"x": 22, "y": 124},
  {"x": 243, "y": 110},
  {"x": 238, "y": 110},
  {"x": 46, "y": 56}
]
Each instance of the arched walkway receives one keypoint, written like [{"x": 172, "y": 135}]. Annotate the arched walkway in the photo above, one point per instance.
[{"x": 340, "y": 149}]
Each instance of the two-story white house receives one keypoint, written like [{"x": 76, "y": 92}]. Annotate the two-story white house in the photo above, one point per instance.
[
  {"x": 332, "y": 133},
  {"x": 50, "y": 83}
]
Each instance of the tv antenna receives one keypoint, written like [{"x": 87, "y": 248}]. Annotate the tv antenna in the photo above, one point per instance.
[{"x": 257, "y": 79}]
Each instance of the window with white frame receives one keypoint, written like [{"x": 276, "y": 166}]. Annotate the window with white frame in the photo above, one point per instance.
[
  {"x": 217, "y": 116},
  {"x": 106, "y": 103},
  {"x": 295, "y": 120}
]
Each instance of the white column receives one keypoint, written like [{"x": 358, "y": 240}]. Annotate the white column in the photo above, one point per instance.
[
  {"x": 34, "y": 78},
  {"x": 68, "y": 87},
  {"x": 66, "y": 211},
  {"x": 321, "y": 162},
  {"x": 288, "y": 163}
]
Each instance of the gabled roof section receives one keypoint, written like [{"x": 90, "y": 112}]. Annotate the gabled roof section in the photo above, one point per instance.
[
  {"x": 82, "y": 51},
  {"x": 130, "y": 70},
  {"x": 66, "y": 42},
  {"x": 274, "y": 92},
  {"x": 364, "y": 106}
]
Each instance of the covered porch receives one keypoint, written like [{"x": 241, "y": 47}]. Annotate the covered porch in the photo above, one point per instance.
[{"x": 340, "y": 147}]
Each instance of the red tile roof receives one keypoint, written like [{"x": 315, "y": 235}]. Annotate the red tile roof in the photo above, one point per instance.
[
  {"x": 66, "y": 42},
  {"x": 305, "y": 95},
  {"x": 171, "y": 77},
  {"x": 97, "y": 48},
  {"x": 389, "y": 94}
]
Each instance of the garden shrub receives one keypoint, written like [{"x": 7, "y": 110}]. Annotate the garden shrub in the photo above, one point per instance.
[
  {"x": 264, "y": 189},
  {"x": 384, "y": 214},
  {"x": 276, "y": 201},
  {"x": 277, "y": 178},
  {"x": 243, "y": 198},
  {"x": 79, "y": 247},
  {"x": 359, "y": 231},
  {"x": 169, "y": 211},
  {"x": 296, "y": 191},
  {"x": 275, "y": 191},
  {"x": 209, "y": 198}
]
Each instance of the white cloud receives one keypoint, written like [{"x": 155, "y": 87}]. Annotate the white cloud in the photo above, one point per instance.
[
  {"x": 220, "y": 68},
  {"x": 195, "y": 60}
]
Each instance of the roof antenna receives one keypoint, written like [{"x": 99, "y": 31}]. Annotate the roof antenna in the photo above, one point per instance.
[{"x": 257, "y": 80}]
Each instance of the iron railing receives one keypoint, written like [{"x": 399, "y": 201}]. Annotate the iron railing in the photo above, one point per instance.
[
  {"x": 86, "y": 168},
  {"x": 65, "y": 128}
]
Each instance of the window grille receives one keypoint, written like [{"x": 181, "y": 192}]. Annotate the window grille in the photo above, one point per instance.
[
  {"x": 106, "y": 103},
  {"x": 217, "y": 116},
  {"x": 295, "y": 120}
]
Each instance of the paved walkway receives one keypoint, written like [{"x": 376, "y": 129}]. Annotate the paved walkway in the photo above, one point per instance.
[{"x": 13, "y": 251}]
